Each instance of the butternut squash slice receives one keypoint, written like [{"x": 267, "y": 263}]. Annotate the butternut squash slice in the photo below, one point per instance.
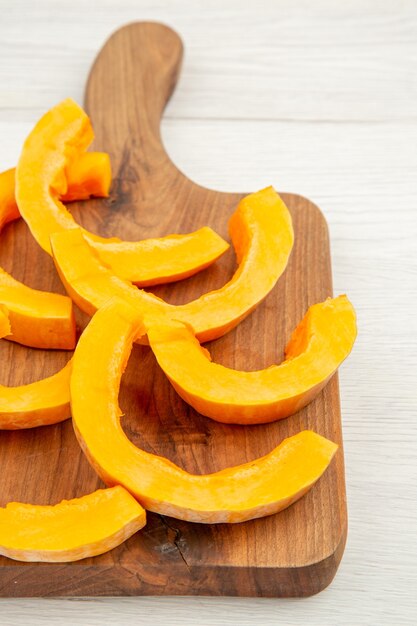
[
  {"x": 262, "y": 235},
  {"x": 261, "y": 487},
  {"x": 318, "y": 346},
  {"x": 89, "y": 176},
  {"x": 38, "y": 319},
  {"x": 165, "y": 260},
  {"x": 8, "y": 207},
  {"x": 71, "y": 530},
  {"x": 4, "y": 322},
  {"x": 40, "y": 403},
  {"x": 58, "y": 139}
]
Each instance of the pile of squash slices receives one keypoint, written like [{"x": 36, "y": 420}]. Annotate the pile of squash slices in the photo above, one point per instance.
[{"x": 104, "y": 278}]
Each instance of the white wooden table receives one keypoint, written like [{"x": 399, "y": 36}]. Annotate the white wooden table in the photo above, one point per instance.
[{"x": 316, "y": 98}]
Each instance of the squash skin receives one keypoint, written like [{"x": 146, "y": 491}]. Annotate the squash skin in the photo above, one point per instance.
[
  {"x": 71, "y": 530},
  {"x": 261, "y": 231},
  {"x": 319, "y": 344},
  {"x": 40, "y": 403},
  {"x": 59, "y": 139},
  {"x": 258, "y": 488}
]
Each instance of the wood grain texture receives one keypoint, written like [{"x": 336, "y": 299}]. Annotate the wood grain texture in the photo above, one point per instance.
[
  {"x": 295, "y": 553},
  {"x": 353, "y": 151}
]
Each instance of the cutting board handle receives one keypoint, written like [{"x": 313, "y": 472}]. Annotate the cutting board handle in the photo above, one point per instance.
[{"x": 129, "y": 85}]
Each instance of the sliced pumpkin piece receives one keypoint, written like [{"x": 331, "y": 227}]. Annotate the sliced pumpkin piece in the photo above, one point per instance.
[
  {"x": 235, "y": 494},
  {"x": 4, "y": 322},
  {"x": 89, "y": 176},
  {"x": 38, "y": 319},
  {"x": 59, "y": 139},
  {"x": 318, "y": 346},
  {"x": 165, "y": 260},
  {"x": 262, "y": 235},
  {"x": 71, "y": 530},
  {"x": 8, "y": 206},
  {"x": 40, "y": 403}
]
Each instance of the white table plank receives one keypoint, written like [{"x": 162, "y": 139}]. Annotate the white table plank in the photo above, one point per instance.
[
  {"x": 319, "y": 100},
  {"x": 269, "y": 60}
]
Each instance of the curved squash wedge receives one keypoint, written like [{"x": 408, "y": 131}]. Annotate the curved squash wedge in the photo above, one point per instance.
[
  {"x": 4, "y": 322},
  {"x": 89, "y": 176},
  {"x": 261, "y": 232},
  {"x": 318, "y": 346},
  {"x": 8, "y": 207},
  {"x": 165, "y": 260},
  {"x": 255, "y": 489},
  {"x": 38, "y": 319},
  {"x": 57, "y": 140},
  {"x": 71, "y": 530},
  {"x": 41, "y": 403}
]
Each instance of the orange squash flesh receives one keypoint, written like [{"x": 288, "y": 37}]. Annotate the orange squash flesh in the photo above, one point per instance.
[
  {"x": 258, "y": 488},
  {"x": 318, "y": 346},
  {"x": 8, "y": 207},
  {"x": 164, "y": 260},
  {"x": 40, "y": 403},
  {"x": 4, "y": 322},
  {"x": 38, "y": 319},
  {"x": 71, "y": 530},
  {"x": 262, "y": 235},
  {"x": 89, "y": 176},
  {"x": 59, "y": 139}
]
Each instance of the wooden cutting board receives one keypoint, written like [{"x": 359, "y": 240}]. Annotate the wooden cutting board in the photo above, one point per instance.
[{"x": 293, "y": 553}]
